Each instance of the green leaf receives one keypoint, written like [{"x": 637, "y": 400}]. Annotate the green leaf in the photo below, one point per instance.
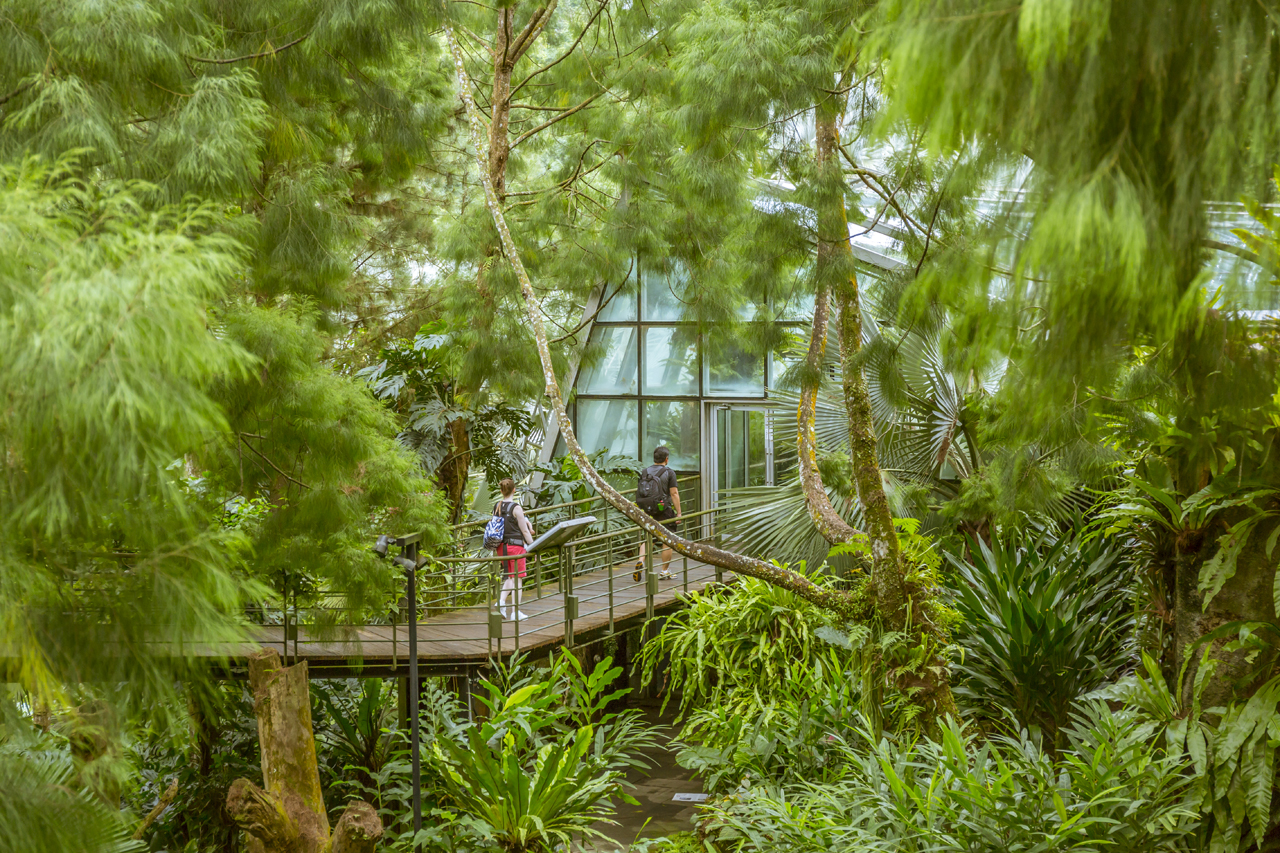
[
  {"x": 1221, "y": 567},
  {"x": 523, "y": 695}
]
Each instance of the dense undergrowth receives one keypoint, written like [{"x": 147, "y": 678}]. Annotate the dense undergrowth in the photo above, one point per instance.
[{"x": 1070, "y": 735}]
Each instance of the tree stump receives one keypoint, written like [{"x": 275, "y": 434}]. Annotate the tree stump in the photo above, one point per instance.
[{"x": 289, "y": 815}]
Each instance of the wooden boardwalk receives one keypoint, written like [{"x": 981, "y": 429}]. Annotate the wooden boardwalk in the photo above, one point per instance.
[{"x": 459, "y": 640}]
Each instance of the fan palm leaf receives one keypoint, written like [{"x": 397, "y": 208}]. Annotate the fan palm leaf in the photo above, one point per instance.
[
  {"x": 772, "y": 522},
  {"x": 925, "y": 415}
]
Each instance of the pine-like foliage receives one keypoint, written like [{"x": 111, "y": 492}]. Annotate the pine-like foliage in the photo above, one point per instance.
[
  {"x": 194, "y": 199},
  {"x": 298, "y": 126},
  {"x": 105, "y": 365},
  {"x": 1116, "y": 122},
  {"x": 40, "y": 813}
]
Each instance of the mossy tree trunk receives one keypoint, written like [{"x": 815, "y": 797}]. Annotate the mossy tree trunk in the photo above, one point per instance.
[
  {"x": 829, "y": 265},
  {"x": 288, "y": 815},
  {"x": 899, "y": 608}
]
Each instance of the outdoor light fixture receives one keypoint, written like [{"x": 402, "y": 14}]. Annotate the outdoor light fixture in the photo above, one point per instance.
[{"x": 408, "y": 560}]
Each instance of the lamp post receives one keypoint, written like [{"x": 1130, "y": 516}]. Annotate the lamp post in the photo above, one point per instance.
[
  {"x": 414, "y": 734},
  {"x": 408, "y": 560}
]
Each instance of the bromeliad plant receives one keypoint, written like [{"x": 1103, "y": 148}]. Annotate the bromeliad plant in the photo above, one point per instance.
[
  {"x": 1045, "y": 620},
  {"x": 360, "y": 740},
  {"x": 545, "y": 765}
]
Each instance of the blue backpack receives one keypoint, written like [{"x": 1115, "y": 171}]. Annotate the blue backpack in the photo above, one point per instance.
[{"x": 495, "y": 531}]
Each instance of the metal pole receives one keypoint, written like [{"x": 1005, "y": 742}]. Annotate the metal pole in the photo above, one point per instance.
[
  {"x": 411, "y": 553},
  {"x": 608, "y": 542},
  {"x": 284, "y": 609},
  {"x": 295, "y": 624},
  {"x": 567, "y": 550}
]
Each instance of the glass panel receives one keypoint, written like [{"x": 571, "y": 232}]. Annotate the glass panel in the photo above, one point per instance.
[
  {"x": 661, "y": 293},
  {"x": 608, "y": 423},
  {"x": 756, "y": 464},
  {"x": 740, "y": 449},
  {"x": 798, "y": 307},
  {"x": 670, "y": 360},
  {"x": 792, "y": 352},
  {"x": 785, "y": 459},
  {"x": 731, "y": 371},
  {"x": 610, "y": 363},
  {"x": 675, "y": 424},
  {"x": 621, "y": 307}
]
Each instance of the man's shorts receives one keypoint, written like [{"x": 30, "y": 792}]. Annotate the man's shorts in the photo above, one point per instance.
[{"x": 671, "y": 522}]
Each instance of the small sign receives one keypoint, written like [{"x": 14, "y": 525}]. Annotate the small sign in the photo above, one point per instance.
[
  {"x": 689, "y": 798},
  {"x": 562, "y": 533}
]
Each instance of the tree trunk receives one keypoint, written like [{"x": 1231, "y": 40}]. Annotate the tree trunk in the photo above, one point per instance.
[
  {"x": 93, "y": 739},
  {"x": 832, "y": 233},
  {"x": 829, "y": 523},
  {"x": 358, "y": 829},
  {"x": 289, "y": 816},
  {"x": 834, "y": 600},
  {"x": 500, "y": 97},
  {"x": 928, "y": 686},
  {"x": 452, "y": 473},
  {"x": 1247, "y": 596}
]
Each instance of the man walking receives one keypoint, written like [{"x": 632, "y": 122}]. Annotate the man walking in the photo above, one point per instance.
[{"x": 658, "y": 495}]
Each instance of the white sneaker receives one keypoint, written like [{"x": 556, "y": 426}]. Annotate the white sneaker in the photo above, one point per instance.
[{"x": 521, "y": 616}]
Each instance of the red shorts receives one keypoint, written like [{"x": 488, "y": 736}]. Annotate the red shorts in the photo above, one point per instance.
[{"x": 512, "y": 568}]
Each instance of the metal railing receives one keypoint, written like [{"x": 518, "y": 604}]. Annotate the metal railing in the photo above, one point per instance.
[{"x": 457, "y": 589}]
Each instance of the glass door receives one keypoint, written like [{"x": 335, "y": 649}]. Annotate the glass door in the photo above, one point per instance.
[{"x": 742, "y": 447}]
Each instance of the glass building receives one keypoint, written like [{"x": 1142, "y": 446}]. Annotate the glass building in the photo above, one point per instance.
[{"x": 648, "y": 378}]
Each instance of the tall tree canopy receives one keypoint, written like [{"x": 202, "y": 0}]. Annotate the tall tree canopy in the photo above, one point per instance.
[{"x": 1118, "y": 124}]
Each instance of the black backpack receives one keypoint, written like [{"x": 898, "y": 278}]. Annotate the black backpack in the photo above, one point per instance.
[{"x": 649, "y": 492}]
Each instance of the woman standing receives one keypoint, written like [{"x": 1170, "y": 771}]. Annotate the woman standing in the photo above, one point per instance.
[{"x": 517, "y": 534}]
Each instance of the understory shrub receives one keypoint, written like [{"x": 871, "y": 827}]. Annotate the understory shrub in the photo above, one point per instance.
[
  {"x": 541, "y": 768},
  {"x": 1046, "y": 619},
  {"x": 1108, "y": 788}
]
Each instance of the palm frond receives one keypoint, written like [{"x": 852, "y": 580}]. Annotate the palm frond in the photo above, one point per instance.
[{"x": 773, "y": 523}]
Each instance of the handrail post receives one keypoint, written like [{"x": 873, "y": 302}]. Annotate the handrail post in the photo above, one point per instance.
[
  {"x": 648, "y": 553},
  {"x": 284, "y": 613},
  {"x": 495, "y": 618},
  {"x": 517, "y": 593},
  {"x": 611, "y": 567},
  {"x": 608, "y": 542},
  {"x": 650, "y": 590},
  {"x": 411, "y": 555},
  {"x": 568, "y": 597}
]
